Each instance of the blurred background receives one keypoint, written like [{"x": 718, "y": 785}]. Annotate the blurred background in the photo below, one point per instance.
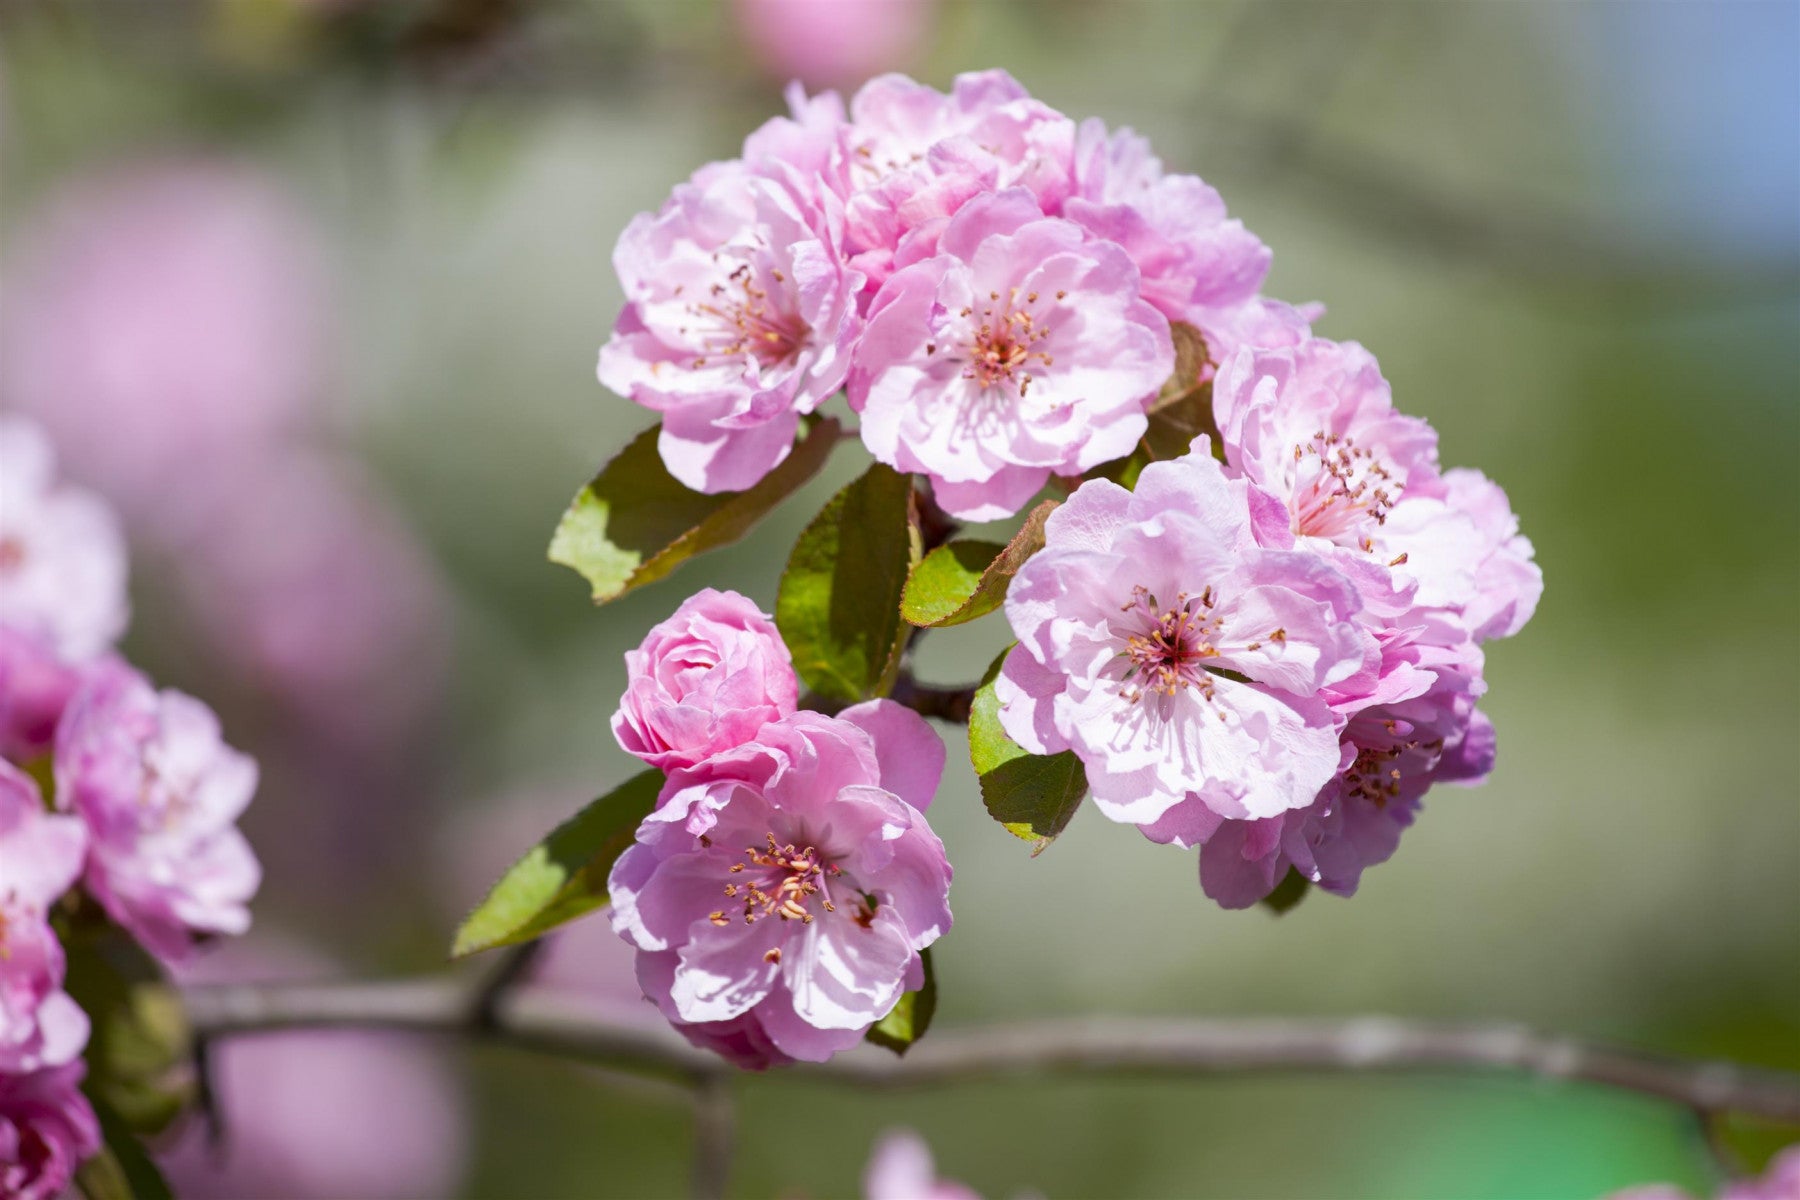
[{"x": 312, "y": 291}]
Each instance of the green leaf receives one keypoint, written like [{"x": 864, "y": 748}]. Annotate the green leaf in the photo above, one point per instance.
[
  {"x": 562, "y": 876},
  {"x": 122, "y": 1170},
  {"x": 635, "y": 522},
  {"x": 139, "y": 1047},
  {"x": 911, "y": 1017},
  {"x": 1032, "y": 795},
  {"x": 839, "y": 603},
  {"x": 960, "y": 581},
  {"x": 1289, "y": 892},
  {"x": 1182, "y": 412}
]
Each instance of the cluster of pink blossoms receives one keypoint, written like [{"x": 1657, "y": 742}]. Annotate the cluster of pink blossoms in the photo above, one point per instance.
[
  {"x": 991, "y": 282},
  {"x": 780, "y": 894},
  {"x": 144, "y": 814},
  {"x": 1273, "y": 656},
  {"x": 1270, "y": 648}
]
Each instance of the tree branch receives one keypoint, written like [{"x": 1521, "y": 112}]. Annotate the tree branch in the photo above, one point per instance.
[
  {"x": 945, "y": 703},
  {"x": 634, "y": 1039}
]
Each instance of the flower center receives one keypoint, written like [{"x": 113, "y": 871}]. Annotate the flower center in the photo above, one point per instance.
[
  {"x": 1003, "y": 345},
  {"x": 1339, "y": 487},
  {"x": 779, "y": 880},
  {"x": 12, "y": 553},
  {"x": 1165, "y": 656},
  {"x": 740, "y": 319},
  {"x": 1375, "y": 774}
]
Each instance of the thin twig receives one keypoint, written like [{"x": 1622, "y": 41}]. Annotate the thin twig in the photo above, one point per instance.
[
  {"x": 715, "y": 1118},
  {"x": 515, "y": 963},
  {"x": 1180, "y": 1048}
]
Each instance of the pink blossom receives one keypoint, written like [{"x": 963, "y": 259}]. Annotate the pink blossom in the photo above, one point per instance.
[
  {"x": 318, "y": 1115},
  {"x": 1419, "y": 727},
  {"x": 35, "y": 687},
  {"x": 62, "y": 558},
  {"x": 740, "y": 315},
  {"x": 703, "y": 681},
  {"x": 1021, "y": 350},
  {"x": 47, "y": 1129},
  {"x": 1197, "y": 265},
  {"x": 160, "y": 320},
  {"x": 1316, "y": 427},
  {"x": 901, "y": 1168},
  {"x": 1180, "y": 661},
  {"x": 834, "y": 41},
  {"x": 40, "y": 859},
  {"x": 1508, "y": 584},
  {"x": 160, "y": 793},
  {"x": 913, "y": 155},
  {"x": 781, "y": 893}
]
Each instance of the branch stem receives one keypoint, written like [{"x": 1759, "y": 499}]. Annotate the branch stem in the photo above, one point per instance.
[{"x": 633, "y": 1039}]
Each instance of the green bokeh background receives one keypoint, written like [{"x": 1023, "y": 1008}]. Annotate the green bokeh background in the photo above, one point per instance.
[{"x": 1464, "y": 185}]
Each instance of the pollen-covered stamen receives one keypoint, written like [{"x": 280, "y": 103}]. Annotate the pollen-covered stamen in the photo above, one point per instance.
[
  {"x": 1167, "y": 653},
  {"x": 1375, "y": 774},
  {"x": 1003, "y": 347},
  {"x": 1340, "y": 488},
  {"x": 739, "y": 316},
  {"x": 780, "y": 880}
]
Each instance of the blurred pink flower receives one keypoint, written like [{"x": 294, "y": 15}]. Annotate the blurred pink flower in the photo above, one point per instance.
[
  {"x": 1780, "y": 1181},
  {"x": 40, "y": 859},
  {"x": 900, "y": 1168},
  {"x": 834, "y": 43},
  {"x": 47, "y": 1128},
  {"x": 319, "y": 1116},
  {"x": 310, "y": 583},
  {"x": 160, "y": 320},
  {"x": 35, "y": 686},
  {"x": 62, "y": 558},
  {"x": 705, "y": 680},
  {"x": 160, "y": 793}
]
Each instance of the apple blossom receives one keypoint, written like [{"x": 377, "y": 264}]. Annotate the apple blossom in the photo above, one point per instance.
[
  {"x": 1197, "y": 266},
  {"x": 35, "y": 686},
  {"x": 1020, "y": 350},
  {"x": 62, "y": 558},
  {"x": 40, "y": 859},
  {"x": 782, "y": 891},
  {"x": 1418, "y": 728},
  {"x": 160, "y": 793},
  {"x": 1180, "y": 661},
  {"x": 901, "y": 1168},
  {"x": 740, "y": 317},
  {"x": 47, "y": 1129},
  {"x": 703, "y": 681}
]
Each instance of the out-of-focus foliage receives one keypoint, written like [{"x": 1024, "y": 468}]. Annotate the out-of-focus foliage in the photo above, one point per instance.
[{"x": 1568, "y": 233}]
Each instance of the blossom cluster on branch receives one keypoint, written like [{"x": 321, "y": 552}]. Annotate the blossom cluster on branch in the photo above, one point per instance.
[
  {"x": 118, "y": 812},
  {"x": 1250, "y": 604}
]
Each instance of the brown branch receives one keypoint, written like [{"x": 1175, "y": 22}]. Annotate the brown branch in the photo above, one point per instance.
[
  {"x": 634, "y": 1039},
  {"x": 945, "y": 703},
  {"x": 715, "y": 1120}
]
